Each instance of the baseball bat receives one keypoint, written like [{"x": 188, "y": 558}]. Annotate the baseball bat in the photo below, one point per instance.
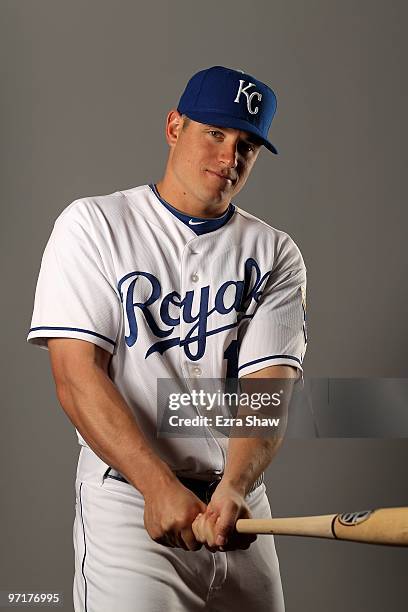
[{"x": 382, "y": 526}]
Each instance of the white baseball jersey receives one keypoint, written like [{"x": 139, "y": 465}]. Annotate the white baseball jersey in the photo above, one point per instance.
[{"x": 124, "y": 272}]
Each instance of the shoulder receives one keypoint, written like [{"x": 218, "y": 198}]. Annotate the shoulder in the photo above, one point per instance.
[
  {"x": 285, "y": 250},
  {"x": 88, "y": 206},
  {"x": 99, "y": 213}
]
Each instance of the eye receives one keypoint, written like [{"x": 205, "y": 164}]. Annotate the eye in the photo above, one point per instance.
[
  {"x": 215, "y": 133},
  {"x": 247, "y": 147}
]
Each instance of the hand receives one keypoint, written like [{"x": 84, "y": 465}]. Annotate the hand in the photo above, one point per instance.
[
  {"x": 169, "y": 513},
  {"x": 215, "y": 528}
]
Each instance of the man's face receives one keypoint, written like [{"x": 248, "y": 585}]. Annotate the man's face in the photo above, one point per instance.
[{"x": 211, "y": 164}]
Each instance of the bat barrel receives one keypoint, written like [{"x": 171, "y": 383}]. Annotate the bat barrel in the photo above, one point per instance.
[{"x": 382, "y": 526}]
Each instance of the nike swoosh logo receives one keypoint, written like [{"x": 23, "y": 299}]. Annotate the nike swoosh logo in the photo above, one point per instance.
[{"x": 191, "y": 222}]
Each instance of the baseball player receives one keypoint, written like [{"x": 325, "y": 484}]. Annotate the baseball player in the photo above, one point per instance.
[{"x": 172, "y": 280}]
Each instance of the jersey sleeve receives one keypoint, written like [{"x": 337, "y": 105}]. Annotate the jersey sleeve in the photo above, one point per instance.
[
  {"x": 276, "y": 333},
  {"x": 76, "y": 295}
]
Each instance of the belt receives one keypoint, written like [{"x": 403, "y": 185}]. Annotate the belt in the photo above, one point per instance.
[{"x": 203, "y": 489}]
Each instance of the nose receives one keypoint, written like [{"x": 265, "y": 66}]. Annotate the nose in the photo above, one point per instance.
[{"x": 228, "y": 154}]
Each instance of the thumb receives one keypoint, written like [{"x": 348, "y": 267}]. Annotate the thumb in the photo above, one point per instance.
[{"x": 225, "y": 525}]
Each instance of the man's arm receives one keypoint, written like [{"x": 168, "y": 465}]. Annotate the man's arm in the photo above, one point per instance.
[
  {"x": 248, "y": 457},
  {"x": 97, "y": 409},
  {"x": 246, "y": 460}
]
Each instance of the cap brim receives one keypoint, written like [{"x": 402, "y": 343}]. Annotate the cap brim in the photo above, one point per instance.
[{"x": 220, "y": 120}]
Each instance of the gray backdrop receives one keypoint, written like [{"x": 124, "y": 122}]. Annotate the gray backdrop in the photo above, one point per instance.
[{"x": 86, "y": 88}]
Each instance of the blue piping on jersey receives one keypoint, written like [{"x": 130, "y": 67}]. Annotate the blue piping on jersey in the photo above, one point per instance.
[
  {"x": 83, "y": 559},
  {"x": 76, "y": 329},
  {"x": 270, "y": 357},
  {"x": 206, "y": 225}
]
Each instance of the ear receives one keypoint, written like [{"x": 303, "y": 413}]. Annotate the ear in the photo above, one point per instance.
[{"x": 174, "y": 124}]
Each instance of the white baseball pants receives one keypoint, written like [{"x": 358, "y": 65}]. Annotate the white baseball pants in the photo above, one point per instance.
[{"x": 119, "y": 567}]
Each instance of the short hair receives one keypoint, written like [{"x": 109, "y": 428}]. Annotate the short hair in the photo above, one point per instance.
[{"x": 186, "y": 121}]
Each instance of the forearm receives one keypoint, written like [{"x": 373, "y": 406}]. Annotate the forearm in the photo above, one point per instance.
[
  {"x": 99, "y": 412},
  {"x": 247, "y": 458}
]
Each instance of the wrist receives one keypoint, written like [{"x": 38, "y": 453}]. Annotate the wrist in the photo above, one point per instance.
[
  {"x": 159, "y": 477},
  {"x": 238, "y": 484}
]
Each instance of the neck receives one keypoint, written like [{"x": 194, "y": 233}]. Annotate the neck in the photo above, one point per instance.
[{"x": 179, "y": 197}]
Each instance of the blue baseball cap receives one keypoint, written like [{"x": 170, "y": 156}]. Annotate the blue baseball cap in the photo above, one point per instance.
[{"x": 230, "y": 98}]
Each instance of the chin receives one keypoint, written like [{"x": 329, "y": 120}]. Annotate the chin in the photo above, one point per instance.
[
  {"x": 213, "y": 195},
  {"x": 219, "y": 194},
  {"x": 212, "y": 199}
]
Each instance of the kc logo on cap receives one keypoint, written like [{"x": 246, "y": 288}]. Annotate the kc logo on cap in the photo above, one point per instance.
[
  {"x": 243, "y": 90},
  {"x": 230, "y": 98}
]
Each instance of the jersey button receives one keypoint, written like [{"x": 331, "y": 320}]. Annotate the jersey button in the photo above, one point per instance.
[
  {"x": 195, "y": 278},
  {"x": 197, "y": 371}
]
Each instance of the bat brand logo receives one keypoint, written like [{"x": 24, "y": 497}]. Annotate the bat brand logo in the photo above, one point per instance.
[
  {"x": 354, "y": 518},
  {"x": 242, "y": 89}
]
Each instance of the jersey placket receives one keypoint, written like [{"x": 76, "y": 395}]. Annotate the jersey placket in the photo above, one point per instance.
[{"x": 192, "y": 278}]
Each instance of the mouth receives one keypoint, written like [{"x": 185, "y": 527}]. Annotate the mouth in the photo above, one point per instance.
[{"x": 227, "y": 179}]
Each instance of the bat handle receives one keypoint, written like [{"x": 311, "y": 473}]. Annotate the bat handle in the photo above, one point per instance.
[{"x": 382, "y": 526}]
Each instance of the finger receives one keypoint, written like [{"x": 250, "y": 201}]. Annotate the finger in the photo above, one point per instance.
[
  {"x": 197, "y": 528},
  {"x": 209, "y": 530},
  {"x": 191, "y": 543},
  {"x": 204, "y": 530},
  {"x": 225, "y": 525},
  {"x": 173, "y": 539},
  {"x": 239, "y": 542},
  {"x": 179, "y": 541},
  {"x": 211, "y": 513},
  {"x": 190, "y": 540},
  {"x": 164, "y": 542}
]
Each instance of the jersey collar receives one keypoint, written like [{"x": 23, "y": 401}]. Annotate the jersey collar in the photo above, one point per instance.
[{"x": 197, "y": 224}]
